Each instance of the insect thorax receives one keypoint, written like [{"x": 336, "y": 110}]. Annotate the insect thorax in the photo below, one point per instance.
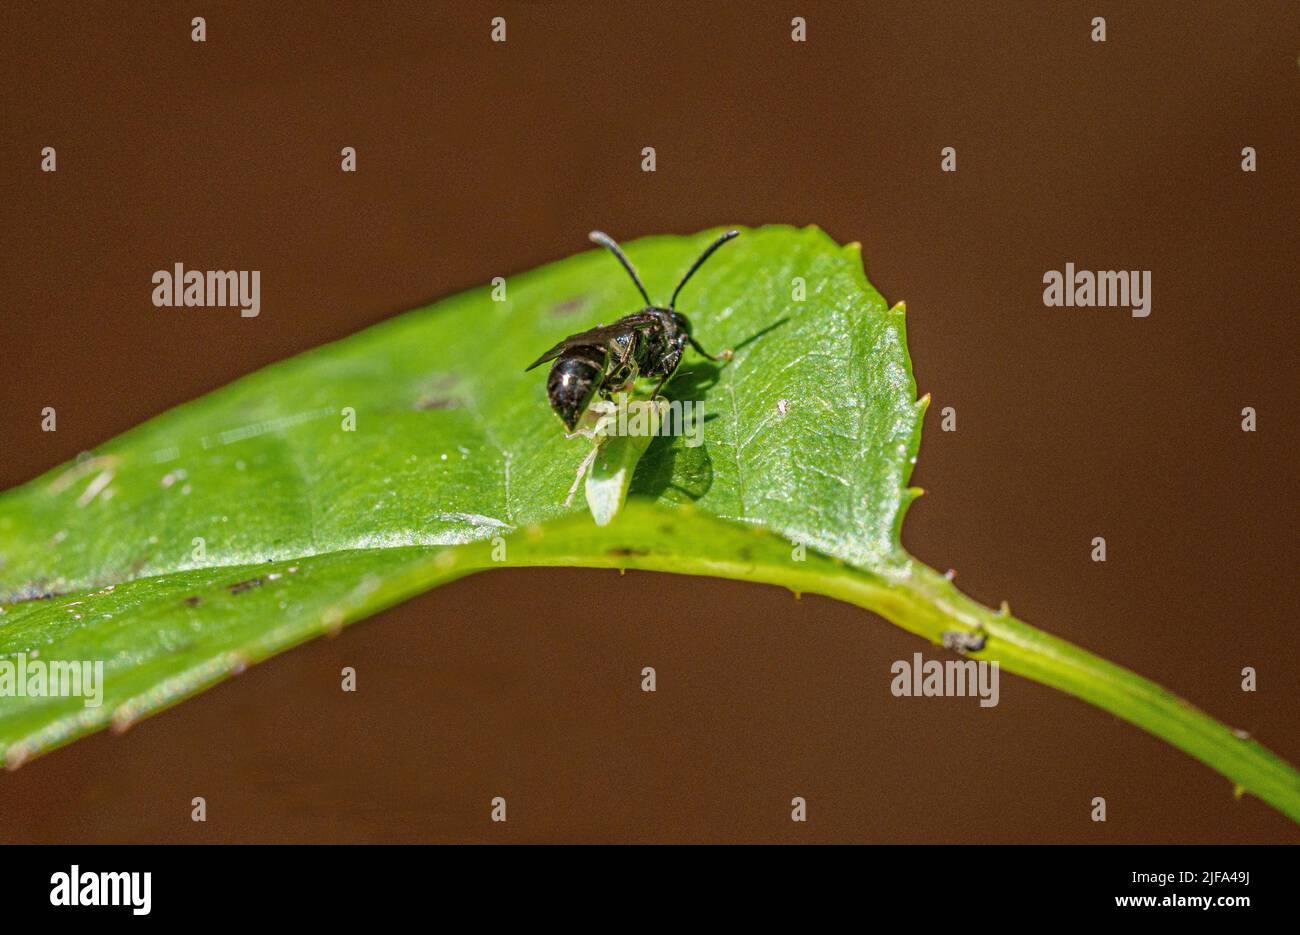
[{"x": 659, "y": 348}]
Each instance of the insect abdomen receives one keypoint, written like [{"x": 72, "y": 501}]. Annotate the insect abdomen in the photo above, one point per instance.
[{"x": 575, "y": 377}]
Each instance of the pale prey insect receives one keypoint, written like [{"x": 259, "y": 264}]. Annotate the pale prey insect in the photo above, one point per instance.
[{"x": 609, "y": 358}]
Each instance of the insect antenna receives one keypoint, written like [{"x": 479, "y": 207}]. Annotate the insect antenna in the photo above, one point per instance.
[
  {"x": 607, "y": 241},
  {"x": 700, "y": 262}
]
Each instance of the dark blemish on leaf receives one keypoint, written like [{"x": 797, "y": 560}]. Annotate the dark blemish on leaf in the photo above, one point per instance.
[
  {"x": 439, "y": 393},
  {"x": 193, "y": 601},
  {"x": 747, "y": 554},
  {"x": 568, "y": 307},
  {"x": 437, "y": 402},
  {"x": 626, "y": 552},
  {"x": 239, "y": 587}
]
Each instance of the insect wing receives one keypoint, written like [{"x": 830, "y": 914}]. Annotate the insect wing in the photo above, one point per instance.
[{"x": 598, "y": 335}]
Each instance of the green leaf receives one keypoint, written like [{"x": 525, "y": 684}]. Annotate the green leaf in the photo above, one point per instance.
[{"x": 250, "y": 520}]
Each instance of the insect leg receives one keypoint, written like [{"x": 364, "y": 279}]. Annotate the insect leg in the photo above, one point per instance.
[
  {"x": 582, "y": 469},
  {"x": 627, "y": 351},
  {"x": 623, "y": 354},
  {"x": 725, "y": 355}
]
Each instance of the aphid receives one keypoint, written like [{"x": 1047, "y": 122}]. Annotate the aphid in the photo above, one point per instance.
[{"x": 609, "y": 358}]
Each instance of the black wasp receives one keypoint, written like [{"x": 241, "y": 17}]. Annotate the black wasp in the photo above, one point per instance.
[{"x": 609, "y": 358}]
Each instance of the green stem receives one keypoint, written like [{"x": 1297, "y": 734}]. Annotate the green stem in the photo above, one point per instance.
[
  {"x": 933, "y": 605},
  {"x": 921, "y": 601}
]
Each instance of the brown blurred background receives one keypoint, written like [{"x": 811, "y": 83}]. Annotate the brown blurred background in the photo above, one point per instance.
[{"x": 479, "y": 159}]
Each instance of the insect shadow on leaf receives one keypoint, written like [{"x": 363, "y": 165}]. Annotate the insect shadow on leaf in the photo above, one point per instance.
[
  {"x": 672, "y": 470},
  {"x": 694, "y": 383},
  {"x": 686, "y": 472},
  {"x": 761, "y": 333}
]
